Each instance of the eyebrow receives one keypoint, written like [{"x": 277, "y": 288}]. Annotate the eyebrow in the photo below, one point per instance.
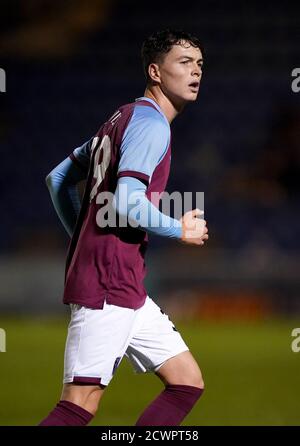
[{"x": 189, "y": 58}]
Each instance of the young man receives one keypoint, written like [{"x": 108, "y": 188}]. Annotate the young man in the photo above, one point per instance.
[{"x": 111, "y": 314}]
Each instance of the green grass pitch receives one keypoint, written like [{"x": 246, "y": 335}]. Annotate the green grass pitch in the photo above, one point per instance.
[{"x": 252, "y": 376}]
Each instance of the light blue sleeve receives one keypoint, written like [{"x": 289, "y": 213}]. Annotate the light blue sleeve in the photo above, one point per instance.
[
  {"x": 81, "y": 155},
  {"x": 130, "y": 201},
  {"x": 145, "y": 142},
  {"x": 62, "y": 184}
]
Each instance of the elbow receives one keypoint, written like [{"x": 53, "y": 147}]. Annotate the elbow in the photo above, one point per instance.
[
  {"x": 48, "y": 180},
  {"x": 51, "y": 182}
]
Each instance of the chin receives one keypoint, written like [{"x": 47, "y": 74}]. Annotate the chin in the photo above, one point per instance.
[
  {"x": 183, "y": 100},
  {"x": 192, "y": 97}
]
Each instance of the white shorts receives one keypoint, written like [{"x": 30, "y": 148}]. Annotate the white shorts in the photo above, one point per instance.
[{"x": 98, "y": 339}]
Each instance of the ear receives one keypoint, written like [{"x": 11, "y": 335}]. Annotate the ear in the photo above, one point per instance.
[{"x": 154, "y": 73}]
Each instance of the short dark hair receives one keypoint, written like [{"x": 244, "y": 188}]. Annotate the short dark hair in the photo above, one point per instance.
[{"x": 156, "y": 46}]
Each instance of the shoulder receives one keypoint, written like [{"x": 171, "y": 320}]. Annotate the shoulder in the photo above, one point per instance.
[
  {"x": 150, "y": 113},
  {"x": 149, "y": 119}
]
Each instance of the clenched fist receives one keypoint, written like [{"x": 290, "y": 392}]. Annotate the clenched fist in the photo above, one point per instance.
[{"x": 194, "y": 229}]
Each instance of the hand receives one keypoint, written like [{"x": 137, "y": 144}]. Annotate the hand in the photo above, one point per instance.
[{"x": 194, "y": 230}]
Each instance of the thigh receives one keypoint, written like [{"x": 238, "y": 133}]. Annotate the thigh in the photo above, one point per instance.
[
  {"x": 96, "y": 343},
  {"x": 155, "y": 339}
]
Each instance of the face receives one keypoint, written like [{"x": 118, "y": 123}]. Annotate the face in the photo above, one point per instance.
[{"x": 179, "y": 73}]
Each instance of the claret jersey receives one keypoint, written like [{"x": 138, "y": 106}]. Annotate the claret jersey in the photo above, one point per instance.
[{"x": 108, "y": 263}]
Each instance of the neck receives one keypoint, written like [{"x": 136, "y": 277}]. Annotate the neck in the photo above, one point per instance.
[{"x": 169, "y": 108}]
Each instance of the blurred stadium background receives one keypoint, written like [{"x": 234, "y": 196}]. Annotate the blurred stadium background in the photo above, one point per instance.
[{"x": 69, "y": 65}]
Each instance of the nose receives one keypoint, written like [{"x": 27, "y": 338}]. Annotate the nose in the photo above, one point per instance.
[{"x": 197, "y": 70}]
